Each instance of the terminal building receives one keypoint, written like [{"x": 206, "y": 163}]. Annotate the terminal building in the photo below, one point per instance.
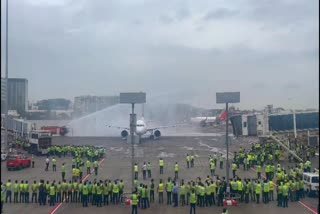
[{"x": 265, "y": 123}]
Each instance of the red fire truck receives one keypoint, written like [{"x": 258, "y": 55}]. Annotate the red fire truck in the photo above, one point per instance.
[{"x": 56, "y": 130}]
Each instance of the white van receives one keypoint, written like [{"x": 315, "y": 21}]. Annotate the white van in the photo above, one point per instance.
[{"x": 311, "y": 183}]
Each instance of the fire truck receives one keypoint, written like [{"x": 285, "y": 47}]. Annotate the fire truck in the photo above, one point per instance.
[
  {"x": 56, "y": 130},
  {"x": 39, "y": 142}
]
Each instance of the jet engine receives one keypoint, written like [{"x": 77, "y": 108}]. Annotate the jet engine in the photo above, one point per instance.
[
  {"x": 124, "y": 134},
  {"x": 157, "y": 133}
]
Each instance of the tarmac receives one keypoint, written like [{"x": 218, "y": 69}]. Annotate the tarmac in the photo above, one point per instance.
[{"x": 117, "y": 165}]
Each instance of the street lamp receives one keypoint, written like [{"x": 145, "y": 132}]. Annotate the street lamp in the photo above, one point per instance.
[
  {"x": 227, "y": 97},
  {"x": 6, "y": 79},
  {"x": 132, "y": 98}
]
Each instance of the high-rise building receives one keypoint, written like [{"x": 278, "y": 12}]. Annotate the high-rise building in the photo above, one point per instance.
[
  {"x": 3, "y": 94},
  {"x": 84, "y": 105},
  {"x": 17, "y": 94}
]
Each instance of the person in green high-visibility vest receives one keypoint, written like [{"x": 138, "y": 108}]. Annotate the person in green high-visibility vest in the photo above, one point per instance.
[
  {"x": 212, "y": 168},
  {"x": 3, "y": 190},
  {"x": 134, "y": 203},
  {"x": 54, "y": 164},
  {"x": 169, "y": 187},
  {"x": 285, "y": 192},
  {"x": 258, "y": 191},
  {"x": 176, "y": 171},
  {"x": 88, "y": 164},
  {"x": 85, "y": 192},
  {"x": 99, "y": 195},
  {"x": 52, "y": 193},
  {"x": 160, "y": 191},
  {"x": 136, "y": 170},
  {"x": 63, "y": 171},
  {"x": 258, "y": 168},
  {"x": 182, "y": 193},
  {"x": 8, "y": 189},
  {"x": 192, "y": 201},
  {"x": 234, "y": 169},
  {"x": 15, "y": 192},
  {"x": 266, "y": 189},
  {"x": 161, "y": 164},
  {"x": 115, "y": 192},
  {"x": 95, "y": 165},
  {"x": 26, "y": 192}
]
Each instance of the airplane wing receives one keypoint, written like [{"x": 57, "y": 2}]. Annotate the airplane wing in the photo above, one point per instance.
[
  {"x": 118, "y": 127},
  {"x": 164, "y": 127}
]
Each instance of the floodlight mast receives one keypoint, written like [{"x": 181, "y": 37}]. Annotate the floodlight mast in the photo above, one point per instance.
[
  {"x": 132, "y": 98},
  {"x": 227, "y": 97}
]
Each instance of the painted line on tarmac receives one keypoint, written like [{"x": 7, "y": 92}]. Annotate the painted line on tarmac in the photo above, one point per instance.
[
  {"x": 309, "y": 207},
  {"x": 57, "y": 206},
  {"x": 312, "y": 209}
]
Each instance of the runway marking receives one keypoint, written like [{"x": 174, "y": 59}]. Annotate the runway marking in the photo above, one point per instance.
[
  {"x": 215, "y": 149},
  {"x": 312, "y": 209},
  {"x": 57, "y": 206},
  {"x": 304, "y": 204}
]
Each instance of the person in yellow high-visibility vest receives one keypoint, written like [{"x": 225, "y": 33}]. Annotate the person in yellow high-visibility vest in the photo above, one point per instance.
[
  {"x": 15, "y": 192},
  {"x": 115, "y": 192},
  {"x": 271, "y": 188},
  {"x": 136, "y": 170},
  {"x": 192, "y": 201},
  {"x": 134, "y": 202},
  {"x": 52, "y": 194},
  {"x": 95, "y": 165},
  {"x": 212, "y": 168},
  {"x": 54, "y": 164},
  {"x": 176, "y": 170},
  {"x": 3, "y": 190},
  {"x": 160, "y": 191},
  {"x": 161, "y": 163},
  {"x": 258, "y": 191},
  {"x": 234, "y": 168}
]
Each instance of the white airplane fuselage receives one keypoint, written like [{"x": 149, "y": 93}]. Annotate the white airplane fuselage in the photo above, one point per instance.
[{"x": 141, "y": 127}]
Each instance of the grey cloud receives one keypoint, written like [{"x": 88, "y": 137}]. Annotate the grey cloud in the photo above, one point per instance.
[
  {"x": 166, "y": 19},
  {"x": 220, "y": 13},
  {"x": 292, "y": 85},
  {"x": 182, "y": 14},
  {"x": 291, "y": 13},
  {"x": 259, "y": 85},
  {"x": 96, "y": 62}
]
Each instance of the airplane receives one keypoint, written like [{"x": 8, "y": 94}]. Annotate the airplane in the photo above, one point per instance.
[
  {"x": 203, "y": 121},
  {"x": 141, "y": 129}
]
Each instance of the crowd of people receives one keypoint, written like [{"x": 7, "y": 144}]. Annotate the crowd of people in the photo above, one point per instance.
[{"x": 271, "y": 182}]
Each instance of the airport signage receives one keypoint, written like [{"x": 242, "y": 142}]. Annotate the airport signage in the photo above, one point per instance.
[
  {"x": 133, "y": 97},
  {"x": 228, "y": 97}
]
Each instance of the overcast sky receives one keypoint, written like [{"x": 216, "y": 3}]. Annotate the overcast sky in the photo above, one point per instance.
[{"x": 266, "y": 49}]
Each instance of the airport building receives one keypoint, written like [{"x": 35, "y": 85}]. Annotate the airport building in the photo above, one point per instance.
[
  {"x": 17, "y": 94},
  {"x": 84, "y": 105},
  {"x": 265, "y": 123}
]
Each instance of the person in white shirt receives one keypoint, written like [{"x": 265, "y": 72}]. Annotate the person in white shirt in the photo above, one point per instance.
[
  {"x": 47, "y": 164},
  {"x": 144, "y": 170}
]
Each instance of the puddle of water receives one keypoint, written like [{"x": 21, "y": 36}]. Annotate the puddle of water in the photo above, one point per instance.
[
  {"x": 116, "y": 149},
  {"x": 166, "y": 155},
  {"x": 217, "y": 150},
  {"x": 188, "y": 148}
]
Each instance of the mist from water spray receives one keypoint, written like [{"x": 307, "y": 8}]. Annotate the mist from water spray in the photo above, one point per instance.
[{"x": 160, "y": 110}]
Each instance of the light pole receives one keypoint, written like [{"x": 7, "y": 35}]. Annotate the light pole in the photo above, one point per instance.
[
  {"x": 227, "y": 97},
  {"x": 6, "y": 79},
  {"x": 132, "y": 98}
]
